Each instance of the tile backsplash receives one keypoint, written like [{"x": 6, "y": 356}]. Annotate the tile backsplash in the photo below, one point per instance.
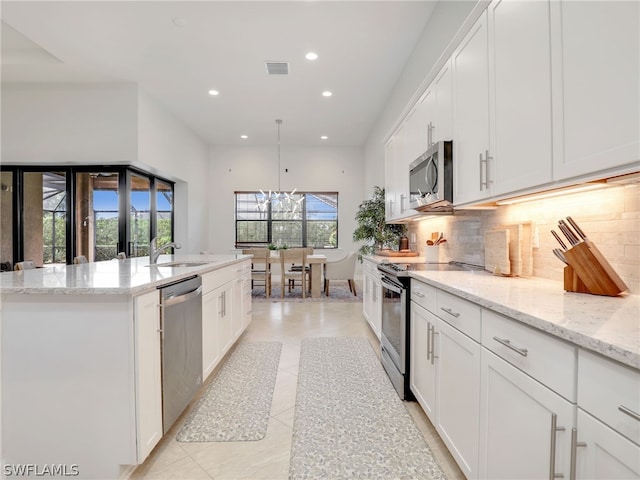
[{"x": 610, "y": 217}]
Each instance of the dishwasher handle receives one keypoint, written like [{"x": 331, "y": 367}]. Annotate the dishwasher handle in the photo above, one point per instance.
[{"x": 182, "y": 298}]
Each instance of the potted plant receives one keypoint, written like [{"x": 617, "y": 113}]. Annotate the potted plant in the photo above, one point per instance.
[{"x": 372, "y": 227}]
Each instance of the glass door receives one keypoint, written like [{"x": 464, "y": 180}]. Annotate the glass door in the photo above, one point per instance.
[
  {"x": 97, "y": 215},
  {"x": 6, "y": 221},
  {"x": 139, "y": 215},
  {"x": 164, "y": 212},
  {"x": 44, "y": 217}
]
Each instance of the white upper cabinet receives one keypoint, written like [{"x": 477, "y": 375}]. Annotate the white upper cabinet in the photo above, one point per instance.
[
  {"x": 597, "y": 107},
  {"x": 470, "y": 63},
  {"x": 442, "y": 124},
  {"x": 502, "y": 102},
  {"x": 520, "y": 95},
  {"x": 397, "y": 154}
]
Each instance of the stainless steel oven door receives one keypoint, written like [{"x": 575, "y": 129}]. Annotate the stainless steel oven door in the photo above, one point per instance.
[{"x": 393, "y": 336}]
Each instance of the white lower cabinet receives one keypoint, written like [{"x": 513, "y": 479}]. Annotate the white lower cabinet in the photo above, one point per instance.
[
  {"x": 458, "y": 417},
  {"x": 148, "y": 373},
  {"x": 525, "y": 427},
  {"x": 371, "y": 301},
  {"x": 226, "y": 311},
  {"x": 602, "y": 453},
  {"x": 445, "y": 371},
  {"x": 423, "y": 364}
]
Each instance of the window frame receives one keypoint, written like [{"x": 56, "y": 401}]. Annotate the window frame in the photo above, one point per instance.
[{"x": 270, "y": 220}]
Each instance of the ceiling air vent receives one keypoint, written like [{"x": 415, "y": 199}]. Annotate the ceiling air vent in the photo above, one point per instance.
[{"x": 277, "y": 68}]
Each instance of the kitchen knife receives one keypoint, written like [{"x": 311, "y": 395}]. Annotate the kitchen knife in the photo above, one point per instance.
[
  {"x": 562, "y": 244},
  {"x": 567, "y": 233},
  {"x": 573, "y": 235},
  {"x": 558, "y": 253},
  {"x": 576, "y": 228}
]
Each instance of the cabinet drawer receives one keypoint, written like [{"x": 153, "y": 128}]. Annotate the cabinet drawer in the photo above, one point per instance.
[
  {"x": 213, "y": 280},
  {"x": 547, "y": 359},
  {"x": 610, "y": 392},
  {"x": 423, "y": 294},
  {"x": 460, "y": 313}
]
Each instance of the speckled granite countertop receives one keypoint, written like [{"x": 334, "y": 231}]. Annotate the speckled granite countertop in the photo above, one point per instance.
[
  {"x": 132, "y": 276},
  {"x": 607, "y": 325}
]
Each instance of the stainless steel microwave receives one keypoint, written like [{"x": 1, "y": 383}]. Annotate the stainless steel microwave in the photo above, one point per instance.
[{"x": 431, "y": 179}]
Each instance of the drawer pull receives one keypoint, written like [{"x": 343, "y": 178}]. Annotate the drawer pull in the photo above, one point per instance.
[
  {"x": 507, "y": 343},
  {"x": 629, "y": 412},
  {"x": 450, "y": 312},
  {"x": 418, "y": 294},
  {"x": 552, "y": 454}
]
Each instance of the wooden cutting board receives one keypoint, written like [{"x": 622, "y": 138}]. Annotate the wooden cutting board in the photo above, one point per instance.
[
  {"x": 496, "y": 252},
  {"x": 396, "y": 253},
  {"x": 520, "y": 247}
]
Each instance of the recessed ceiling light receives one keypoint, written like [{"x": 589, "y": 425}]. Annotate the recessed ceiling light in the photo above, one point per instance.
[
  {"x": 326, "y": 93},
  {"x": 324, "y": 137},
  {"x": 244, "y": 137},
  {"x": 311, "y": 56},
  {"x": 214, "y": 92}
]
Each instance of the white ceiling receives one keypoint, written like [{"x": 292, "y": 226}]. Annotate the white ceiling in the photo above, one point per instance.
[{"x": 362, "y": 47}]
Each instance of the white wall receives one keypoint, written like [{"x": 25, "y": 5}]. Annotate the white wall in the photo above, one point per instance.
[
  {"x": 166, "y": 147},
  {"x": 69, "y": 123},
  {"x": 309, "y": 169},
  {"x": 444, "y": 23}
]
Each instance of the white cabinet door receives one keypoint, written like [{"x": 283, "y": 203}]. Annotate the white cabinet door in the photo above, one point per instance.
[
  {"x": 224, "y": 306},
  {"x": 517, "y": 439},
  {"x": 458, "y": 392},
  {"x": 423, "y": 360},
  {"x": 210, "y": 346},
  {"x": 414, "y": 146},
  {"x": 442, "y": 128},
  {"x": 470, "y": 65},
  {"x": 520, "y": 95},
  {"x": 602, "y": 453},
  {"x": 390, "y": 179},
  {"x": 598, "y": 78},
  {"x": 148, "y": 373}
]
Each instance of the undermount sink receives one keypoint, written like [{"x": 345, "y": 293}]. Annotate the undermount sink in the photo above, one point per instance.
[{"x": 183, "y": 263}]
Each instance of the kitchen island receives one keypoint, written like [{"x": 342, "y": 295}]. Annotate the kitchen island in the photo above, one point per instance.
[{"x": 81, "y": 374}]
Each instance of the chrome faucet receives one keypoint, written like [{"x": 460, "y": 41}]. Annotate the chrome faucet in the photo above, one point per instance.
[{"x": 154, "y": 251}]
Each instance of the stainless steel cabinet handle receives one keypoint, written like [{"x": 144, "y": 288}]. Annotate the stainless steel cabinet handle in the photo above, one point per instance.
[
  {"x": 428, "y": 341},
  {"x": 629, "y": 412},
  {"x": 418, "y": 294},
  {"x": 402, "y": 199},
  {"x": 552, "y": 454},
  {"x": 450, "y": 312},
  {"x": 433, "y": 345},
  {"x": 574, "y": 452},
  {"x": 507, "y": 343},
  {"x": 486, "y": 182}
]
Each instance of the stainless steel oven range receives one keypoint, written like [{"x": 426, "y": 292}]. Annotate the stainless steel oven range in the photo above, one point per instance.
[{"x": 396, "y": 318}]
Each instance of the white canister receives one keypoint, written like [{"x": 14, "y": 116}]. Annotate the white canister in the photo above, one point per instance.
[{"x": 432, "y": 254}]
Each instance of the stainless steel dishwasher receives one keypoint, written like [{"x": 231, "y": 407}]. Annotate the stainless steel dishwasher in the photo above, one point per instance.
[{"x": 181, "y": 327}]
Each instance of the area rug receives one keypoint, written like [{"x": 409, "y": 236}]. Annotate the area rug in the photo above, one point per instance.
[
  {"x": 337, "y": 293},
  {"x": 237, "y": 403},
  {"x": 349, "y": 421}
]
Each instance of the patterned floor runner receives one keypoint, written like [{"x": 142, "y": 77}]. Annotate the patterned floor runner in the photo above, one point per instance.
[
  {"x": 237, "y": 402},
  {"x": 349, "y": 422}
]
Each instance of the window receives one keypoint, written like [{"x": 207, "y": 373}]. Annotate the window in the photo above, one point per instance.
[{"x": 305, "y": 219}]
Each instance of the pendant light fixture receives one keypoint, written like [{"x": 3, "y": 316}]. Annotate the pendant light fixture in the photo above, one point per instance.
[{"x": 284, "y": 205}]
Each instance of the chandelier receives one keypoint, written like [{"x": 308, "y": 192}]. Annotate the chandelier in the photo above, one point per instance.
[{"x": 283, "y": 205}]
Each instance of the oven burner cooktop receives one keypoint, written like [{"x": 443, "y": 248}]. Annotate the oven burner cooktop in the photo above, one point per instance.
[{"x": 403, "y": 269}]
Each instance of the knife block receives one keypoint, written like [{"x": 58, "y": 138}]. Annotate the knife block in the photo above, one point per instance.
[{"x": 589, "y": 272}]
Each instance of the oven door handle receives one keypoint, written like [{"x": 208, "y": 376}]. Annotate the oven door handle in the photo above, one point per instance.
[{"x": 394, "y": 287}]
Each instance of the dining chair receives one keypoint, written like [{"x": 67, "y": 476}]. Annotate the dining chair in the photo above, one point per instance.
[
  {"x": 307, "y": 268},
  {"x": 343, "y": 269},
  {"x": 292, "y": 257},
  {"x": 25, "y": 265},
  {"x": 80, "y": 259},
  {"x": 260, "y": 268}
]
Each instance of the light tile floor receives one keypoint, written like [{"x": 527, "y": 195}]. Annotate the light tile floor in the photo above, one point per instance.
[{"x": 268, "y": 459}]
